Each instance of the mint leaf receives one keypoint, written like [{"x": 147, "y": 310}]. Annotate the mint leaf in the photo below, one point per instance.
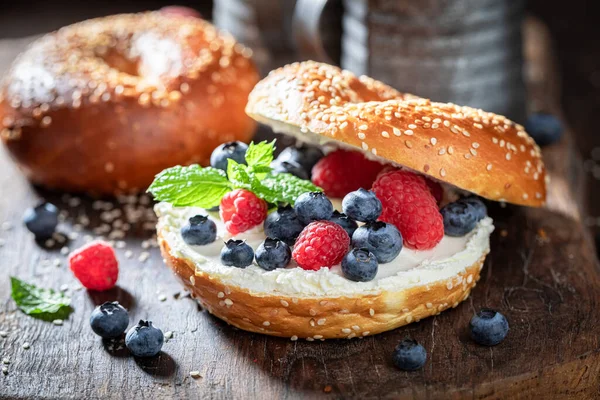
[
  {"x": 191, "y": 186},
  {"x": 238, "y": 175},
  {"x": 283, "y": 187},
  {"x": 260, "y": 155},
  {"x": 45, "y": 304}
]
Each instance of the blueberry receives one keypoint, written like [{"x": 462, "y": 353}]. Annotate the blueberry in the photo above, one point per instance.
[
  {"x": 272, "y": 254},
  {"x": 488, "y": 327},
  {"x": 360, "y": 265},
  {"x": 313, "y": 206},
  {"x": 284, "y": 225},
  {"x": 362, "y": 205},
  {"x": 344, "y": 221},
  {"x": 460, "y": 218},
  {"x": 234, "y": 150},
  {"x": 409, "y": 355},
  {"x": 382, "y": 239},
  {"x": 237, "y": 253},
  {"x": 544, "y": 128},
  {"x": 304, "y": 155},
  {"x": 144, "y": 340},
  {"x": 109, "y": 320},
  {"x": 477, "y": 204},
  {"x": 199, "y": 231},
  {"x": 41, "y": 220},
  {"x": 291, "y": 167}
]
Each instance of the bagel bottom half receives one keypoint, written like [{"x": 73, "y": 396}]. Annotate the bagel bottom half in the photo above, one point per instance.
[{"x": 318, "y": 318}]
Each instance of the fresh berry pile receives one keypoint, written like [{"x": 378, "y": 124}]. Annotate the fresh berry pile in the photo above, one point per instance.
[
  {"x": 241, "y": 210},
  {"x": 342, "y": 172},
  {"x": 409, "y": 205},
  {"x": 95, "y": 265}
]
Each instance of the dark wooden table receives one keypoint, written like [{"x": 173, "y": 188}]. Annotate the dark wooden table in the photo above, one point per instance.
[{"x": 542, "y": 274}]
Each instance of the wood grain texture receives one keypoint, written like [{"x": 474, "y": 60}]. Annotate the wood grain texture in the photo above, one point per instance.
[{"x": 542, "y": 274}]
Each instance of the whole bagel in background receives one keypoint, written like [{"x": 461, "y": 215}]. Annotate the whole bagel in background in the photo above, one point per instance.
[{"x": 103, "y": 105}]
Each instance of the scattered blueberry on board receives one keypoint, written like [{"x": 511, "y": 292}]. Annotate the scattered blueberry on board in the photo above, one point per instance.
[
  {"x": 488, "y": 327},
  {"x": 409, "y": 355},
  {"x": 283, "y": 224},
  {"x": 313, "y": 206},
  {"x": 144, "y": 340},
  {"x": 234, "y": 150},
  {"x": 544, "y": 128},
  {"x": 41, "y": 220},
  {"x": 272, "y": 254},
  {"x": 289, "y": 167},
  {"x": 362, "y": 205},
  {"x": 382, "y": 239},
  {"x": 109, "y": 320},
  {"x": 237, "y": 253},
  {"x": 304, "y": 155},
  {"x": 199, "y": 231},
  {"x": 360, "y": 265},
  {"x": 344, "y": 221}
]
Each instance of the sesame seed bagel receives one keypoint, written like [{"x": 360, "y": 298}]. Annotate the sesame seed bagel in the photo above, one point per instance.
[
  {"x": 476, "y": 151},
  {"x": 103, "y": 105},
  {"x": 308, "y": 317}
]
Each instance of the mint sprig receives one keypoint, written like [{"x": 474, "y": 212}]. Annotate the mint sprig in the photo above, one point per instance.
[
  {"x": 45, "y": 304},
  {"x": 205, "y": 187}
]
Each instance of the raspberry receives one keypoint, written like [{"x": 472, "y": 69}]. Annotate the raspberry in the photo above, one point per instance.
[
  {"x": 408, "y": 203},
  {"x": 321, "y": 244},
  {"x": 95, "y": 265},
  {"x": 242, "y": 210},
  {"x": 342, "y": 172}
]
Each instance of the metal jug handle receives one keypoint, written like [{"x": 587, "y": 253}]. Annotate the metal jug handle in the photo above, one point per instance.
[{"x": 305, "y": 30}]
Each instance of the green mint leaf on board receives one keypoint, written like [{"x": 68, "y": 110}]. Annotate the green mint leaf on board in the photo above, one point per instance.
[
  {"x": 191, "y": 186},
  {"x": 45, "y": 304},
  {"x": 283, "y": 187},
  {"x": 260, "y": 155}
]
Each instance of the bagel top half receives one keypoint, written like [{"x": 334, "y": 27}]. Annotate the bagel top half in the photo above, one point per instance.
[{"x": 474, "y": 150}]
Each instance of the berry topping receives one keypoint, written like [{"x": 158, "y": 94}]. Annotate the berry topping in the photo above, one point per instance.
[
  {"x": 410, "y": 206},
  {"x": 109, "y": 320},
  {"x": 144, "y": 340},
  {"x": 488, "y": 327},
  {"x": 379, "y": 238},
  {"x": 304, "y": 155},
  {"x": 321, "y": 244},
  {"x": 41, "y": 220},
  {"x": 360, "y": 265},
  {"x": 272, "y": 254},
  {"x": 480, "y": 208},
  {"x": 234, "y": 150},
  {"x": 284, "y": 225},
  {"x": 313, "y": 206},
  {"x": 460, "y": 217},
  {"x": 95, "y": 265},
  {"x": 291, "y": 167},
  {"x": 237, "y": 253},
  {"x": 544, "y": 128},
  {"x": 344, "y": 221},
  {"x": 409, "y": 355},
  {"x": 362, "y": 205},
  {"x": 436, "y": 190},
  {"x": 342, "y": 171},
  {"x": 241, "y": 210},
  {"x": 199, "y": 231}
]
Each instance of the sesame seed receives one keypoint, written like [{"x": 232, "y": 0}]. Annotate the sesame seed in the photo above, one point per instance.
[
  {"x": 318, "y": 336},
  {"x": 26, "y": 346},
  {"x": 57, "y": 322},
  {"x": 346, "y": 330},
  {"x": 361, "y": 135},
  {"x": 409, "y": 318},
  {"x": 343, "y": 125},
  {"x": 312, "y": 312},
  {"x": 350, "y": 336},
  {"x": 442, "y": 151},
  {"x": 408, "y": 144},
  {"x": 5, "y": 370},
  {"x": 469, "y": 278},
  {"x": 366, "y": 333},
  {"x": 467, "y": 156},
  {"x": 433, "y": 141},
  {"x": 408, "y": 132},
  {"x": 508, "y": 156},
  {"x": 162, "y": 297},
  {"x": 310, "y": 339},
  {"x": 405, "y": 310},
  {"x": 192, "y": 280},
  {"x": 371, "y": 312},
  {"x": 6, "y": 360},
  {"x": 442, "y": 172},
  {"x": 363, "y": 127},
  {"x": 3, "y": 334},
  {"x": 321, "y": 321},
  {"x": 475, "y": 145},
  {"x": 284, "y": 303},
  {"x": 412, "y": 126},
  {"x": 365, "y": 146},
  {"x": 356, "y": 327},
  {"x": 385, "y": 134},
  {"x": 473, "y": 151},
  {"x": 294, "y": 338},
  {"x": 397, "y": 132},
  {"x": 525, "y": 196},
  {"x": 449, "y": 285},
  {"x": 266, "y": 323},
  {"x": 195, "y": 374},
  {"x": 489, "y": 167},
  {"x": 450, "y": 150},
  {"x": 446, "y": 123},
  {"x": 429, "y": 305},
  {"x": 168, "y": 335},
  {"x": 228, "y": 302},
  {"x": 220, "y": 295},
  {"x": 374, "y": 151}
]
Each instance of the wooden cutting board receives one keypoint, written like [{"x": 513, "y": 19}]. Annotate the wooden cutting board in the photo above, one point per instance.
[{"x": 542, "y": 274}]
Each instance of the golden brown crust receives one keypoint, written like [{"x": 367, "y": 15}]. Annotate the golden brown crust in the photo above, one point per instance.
[
  {"x": 321, "y": 318},
  {"x": 480, "y": 152},
  {"x": 103, "y": 105}
]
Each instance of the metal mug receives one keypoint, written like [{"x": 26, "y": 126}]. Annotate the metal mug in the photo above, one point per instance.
[{"x": 464, "y": 51}]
